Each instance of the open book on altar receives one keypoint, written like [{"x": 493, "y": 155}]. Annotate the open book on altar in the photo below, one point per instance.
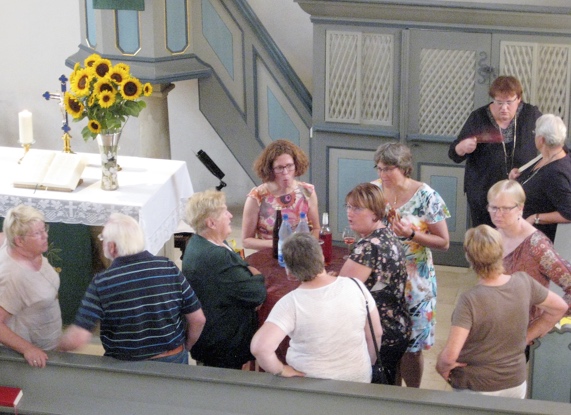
[{"x": 50, "y": 170}]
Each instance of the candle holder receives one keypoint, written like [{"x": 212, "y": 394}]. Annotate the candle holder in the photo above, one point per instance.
[{"x": 26, "y": 147}]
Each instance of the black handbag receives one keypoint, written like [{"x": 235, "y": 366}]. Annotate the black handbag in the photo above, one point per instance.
[{"x": 379, "y": 374}]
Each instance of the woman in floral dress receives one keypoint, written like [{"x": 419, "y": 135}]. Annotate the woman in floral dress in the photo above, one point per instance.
[
  {"x": 420, "y": 222},
  {"x": 378, "y": 261},
  {"x": 278, "y": 166}
]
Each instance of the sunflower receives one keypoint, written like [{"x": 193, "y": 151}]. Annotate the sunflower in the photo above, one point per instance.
[
  {"x": 103, "y": 85},
  {"x": 131, "y": 89},
  {"x": 73, "y": 106},
  {"x": 147, "y": 89},
  {"x": 102, "y": 67},
  {"x": 90, "y": 60},
  {"x": 106, "y": 99},
  {"x": 123, "y": 66},
  {"x": 94, "y": 126},
  {"x": 80, "y": 82},
  {"x": 118, "y": 74}
]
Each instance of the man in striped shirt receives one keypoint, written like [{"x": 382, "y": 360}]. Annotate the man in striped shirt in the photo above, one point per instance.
[{"x": 145, "y": 306}]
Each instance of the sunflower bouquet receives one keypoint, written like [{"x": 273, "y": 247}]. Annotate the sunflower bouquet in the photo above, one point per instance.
[{"x": 107, "y": 95}]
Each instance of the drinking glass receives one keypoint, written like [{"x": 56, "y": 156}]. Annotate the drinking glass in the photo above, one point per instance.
[{"x": 348, "y": 239}]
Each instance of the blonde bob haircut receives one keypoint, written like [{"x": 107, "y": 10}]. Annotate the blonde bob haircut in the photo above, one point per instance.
[
  {"x": 484, "y": 251},
  {"x": 204, "y": 205},
  {"x": 368, "y": 196},
  {"x": 510, "y": 187},
  {"x": 126, "y": 233},
  {"x": 19, "y": 221}
]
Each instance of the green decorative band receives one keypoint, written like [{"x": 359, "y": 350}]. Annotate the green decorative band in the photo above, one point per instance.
[{"x": 119, "y": 4}]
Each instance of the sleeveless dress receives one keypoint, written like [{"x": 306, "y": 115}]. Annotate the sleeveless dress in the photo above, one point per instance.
[{"x": 291, "y": 204}]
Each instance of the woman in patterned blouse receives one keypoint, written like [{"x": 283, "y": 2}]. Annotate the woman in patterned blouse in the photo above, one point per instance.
[
  {"x": 378, "y": 261},
  {"x": 526, "y": 248}
]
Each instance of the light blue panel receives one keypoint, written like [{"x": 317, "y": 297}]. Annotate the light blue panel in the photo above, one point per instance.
[
  {"x": 350, "y": 172},
  {"x": 128, "y": 31},
  {"x": 177, "y": 33},
  {"x": 446, "y": 187},
  {"x": 280, "y": 124},
  {"x": 90, "y": 23},
  {"x": 218, "y": 36}
]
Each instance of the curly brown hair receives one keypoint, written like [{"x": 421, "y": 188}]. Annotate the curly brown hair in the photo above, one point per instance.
[{"x": 263, "y": 166}]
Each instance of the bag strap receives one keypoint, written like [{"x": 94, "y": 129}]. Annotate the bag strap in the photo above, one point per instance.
[{"x": 379, "y": 361}]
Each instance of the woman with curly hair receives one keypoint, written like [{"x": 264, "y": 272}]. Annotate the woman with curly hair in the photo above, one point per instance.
[{"x": 278, "y": 166}]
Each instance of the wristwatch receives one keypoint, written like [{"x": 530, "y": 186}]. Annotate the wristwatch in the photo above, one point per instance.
[{"x": 536, "y": 221}]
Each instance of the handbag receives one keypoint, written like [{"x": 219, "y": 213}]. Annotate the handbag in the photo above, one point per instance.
[{"x": 379, "y": 375}]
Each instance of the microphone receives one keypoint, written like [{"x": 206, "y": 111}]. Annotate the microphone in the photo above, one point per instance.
[{"x": 212, "y": 168}]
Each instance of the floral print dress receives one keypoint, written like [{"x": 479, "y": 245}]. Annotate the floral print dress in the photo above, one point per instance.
[
  {"x": 291, "y": 204},
  {"x": 424, "y": 207},
  {"x": 383, "y": 253}
]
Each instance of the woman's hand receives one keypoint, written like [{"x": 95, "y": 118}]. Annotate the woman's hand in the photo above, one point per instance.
[
  {"x": 290, "y": 372},
  {"x": 514, "y": 174},
  {"x": 466, "y": 146},
  {"x": 402, "y": 228}
]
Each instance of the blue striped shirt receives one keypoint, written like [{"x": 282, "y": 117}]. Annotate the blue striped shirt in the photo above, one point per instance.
[{"x": 141, "y": 301}]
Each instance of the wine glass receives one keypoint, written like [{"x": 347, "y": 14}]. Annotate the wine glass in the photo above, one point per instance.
[{"x": 348, "y": 239}]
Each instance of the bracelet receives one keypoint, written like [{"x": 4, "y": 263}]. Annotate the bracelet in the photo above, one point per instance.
[
  {"x": 411, "y": 237},
  {"x": 281, "y": 372},
  {"x": 536, "y": 221}
]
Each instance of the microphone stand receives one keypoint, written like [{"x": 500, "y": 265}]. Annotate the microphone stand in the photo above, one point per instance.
[{"x": 212, "y": 168}]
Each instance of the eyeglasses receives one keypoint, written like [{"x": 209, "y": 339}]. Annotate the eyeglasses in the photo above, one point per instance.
[
  {"x": 281, "y": 169},
  {"x": 355, "y": 209},
  {"x": 40, "y": 233},
  {"x": 505, "y": 103},
  {"x": 385, "y": 169},
  {"x": 500, "y": 209}
]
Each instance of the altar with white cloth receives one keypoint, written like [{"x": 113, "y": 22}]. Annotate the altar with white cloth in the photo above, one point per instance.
[{"x": 152, "y": 191}]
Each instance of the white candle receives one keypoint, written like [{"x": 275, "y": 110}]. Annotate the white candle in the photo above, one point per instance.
[{"x": 26, "y": 127}]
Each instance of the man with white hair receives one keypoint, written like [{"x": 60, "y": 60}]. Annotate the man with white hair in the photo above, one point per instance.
[{"x": 146, "y": 307}]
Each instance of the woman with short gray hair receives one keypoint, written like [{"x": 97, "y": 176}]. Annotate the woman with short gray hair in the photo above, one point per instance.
[
  {"x": 325, "y": 318},
  {"x": 547, "y": 184}
]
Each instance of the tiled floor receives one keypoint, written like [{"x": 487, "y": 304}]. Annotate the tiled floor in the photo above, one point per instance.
[{"x": 451, "y": 283}]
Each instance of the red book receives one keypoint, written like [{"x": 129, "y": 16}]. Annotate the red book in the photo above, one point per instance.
[{"x": 10, "y": 396}]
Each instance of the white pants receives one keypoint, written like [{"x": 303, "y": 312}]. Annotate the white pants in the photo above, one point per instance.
[{"x": 515, "y": 392}]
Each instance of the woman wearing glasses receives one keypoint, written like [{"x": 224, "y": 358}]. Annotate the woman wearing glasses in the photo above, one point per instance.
[
  {"x": 420, "y": 222},
  {"x": 378, "y": 260},
  {"x": 548, "y": 183},
  {"x": 526, "y": 248},
  {"x": 495, "y": 139},
  {"x": 278, "y": 166},
  {"x": 30, "y": 316}
]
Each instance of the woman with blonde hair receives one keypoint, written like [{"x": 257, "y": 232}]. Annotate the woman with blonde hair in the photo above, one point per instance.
[
  {"x": 30, "y": 316},
  {"x": 525, "y": 247},
  {"x": 229, "y": 289},
  {"x": 484, "y": 352}
]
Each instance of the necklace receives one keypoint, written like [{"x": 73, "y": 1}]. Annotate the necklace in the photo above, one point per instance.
[
  {"x": 510, "y": 166},
  {"x": 534, "y": 172}
]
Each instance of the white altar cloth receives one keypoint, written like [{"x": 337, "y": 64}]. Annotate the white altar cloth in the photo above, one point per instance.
[{"x": 153, "y": 191}]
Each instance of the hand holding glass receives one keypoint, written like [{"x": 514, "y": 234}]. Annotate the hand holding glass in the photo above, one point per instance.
[{"x": 348, "y": 239}]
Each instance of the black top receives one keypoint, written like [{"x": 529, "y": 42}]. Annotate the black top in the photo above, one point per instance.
[
  {"x": 489, "y": 164},
  {"x": 548, "y": 190}
]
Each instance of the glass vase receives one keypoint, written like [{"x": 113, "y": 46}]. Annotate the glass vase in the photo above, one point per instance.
[{"x": 108, "y": 143}]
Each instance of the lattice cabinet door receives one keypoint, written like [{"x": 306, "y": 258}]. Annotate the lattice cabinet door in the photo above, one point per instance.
[
  {"x": 359, "y": 78},
  {"x": 448, "y": 79},
  {"x": 544, "y": 71}
]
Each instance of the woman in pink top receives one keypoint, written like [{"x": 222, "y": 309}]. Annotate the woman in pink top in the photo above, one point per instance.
[{"x": 278, "y": 166}]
